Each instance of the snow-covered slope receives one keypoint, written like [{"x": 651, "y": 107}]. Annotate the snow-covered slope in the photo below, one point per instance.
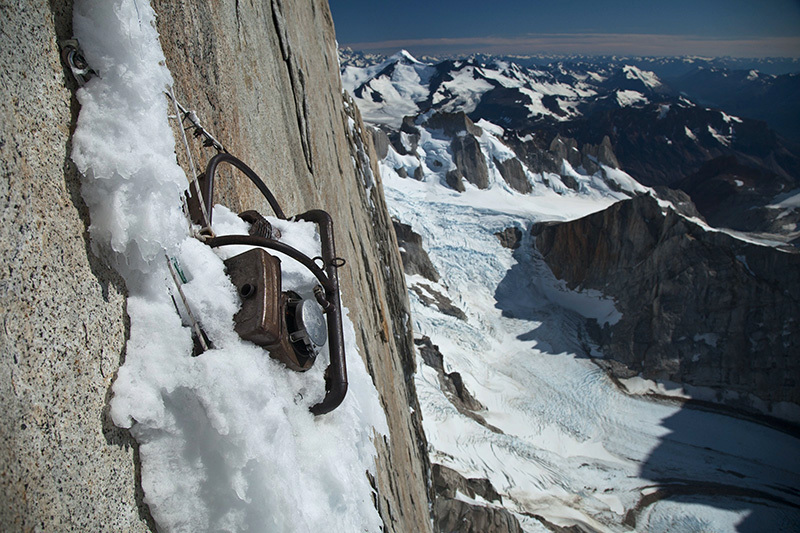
[{"x": 389, "y": 90}]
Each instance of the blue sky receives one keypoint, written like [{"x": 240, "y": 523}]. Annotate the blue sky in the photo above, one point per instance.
[{"x": 739, "y": 28}]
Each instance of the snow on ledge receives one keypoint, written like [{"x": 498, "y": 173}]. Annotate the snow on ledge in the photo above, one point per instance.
[{"x": 227, "y": 442}]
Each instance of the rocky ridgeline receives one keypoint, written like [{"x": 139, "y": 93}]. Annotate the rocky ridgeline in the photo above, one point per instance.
[
  {"x": 450, "y": 510},
  {"x": 416, "y": 262},
  {"x": 698, "y": 306},
  {"x": 453, "y": 514},
  {"x": 415, "y": 258},
  {"x": 452, "y": 384},
  {"x": 471, "y": 162},
  {"x": 730, "y": 193}
]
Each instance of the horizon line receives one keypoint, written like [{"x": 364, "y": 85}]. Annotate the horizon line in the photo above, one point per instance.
[{"x": 595, "y": 44}]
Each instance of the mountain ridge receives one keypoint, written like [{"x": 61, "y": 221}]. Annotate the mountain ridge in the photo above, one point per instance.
[{"x": 659, "y": 137}]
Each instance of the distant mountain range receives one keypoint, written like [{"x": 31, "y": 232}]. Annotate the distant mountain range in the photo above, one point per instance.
[
  {"x": 662, "y": 131},
  {"x": 667, "y": 67},
  {"x": 762, "y": 88}
]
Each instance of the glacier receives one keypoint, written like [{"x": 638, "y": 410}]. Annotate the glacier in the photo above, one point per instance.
[
  {"x": 563, "y": 443},
  {"x": 574, "y": 447}
]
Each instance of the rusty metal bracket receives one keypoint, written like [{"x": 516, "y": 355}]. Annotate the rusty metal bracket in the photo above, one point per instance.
[{"x": 330, "y": 300}]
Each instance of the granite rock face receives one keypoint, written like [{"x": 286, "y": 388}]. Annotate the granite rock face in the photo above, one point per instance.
[
  {"x": 264, "y": 79},
  {"x": 565, "y": 149},
  {"x": 431, "y": 297},
  {"x": 587, "y": 156},
  {"x": 381, "y": 142},
  {"x": 415, "y": 258},
  {"x": 64, "y": 466},
  {"x": 469, "y": 160},
  {"x": 406, "y": 139},
  {"x": 592, "y": 156},
  {"x": 733, "y": 194},
  {"x": 698, "y": 306},
  {"x": 510, "y": 237},
  {"x": 513, "y": 173},
  {"x": 455, "y": 180}
]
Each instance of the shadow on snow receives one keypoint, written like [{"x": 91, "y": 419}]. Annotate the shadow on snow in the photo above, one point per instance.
[{"x": 709, "y": 458}]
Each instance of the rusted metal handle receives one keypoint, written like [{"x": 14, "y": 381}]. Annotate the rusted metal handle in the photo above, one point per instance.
[{"x": 207, "y": 183}]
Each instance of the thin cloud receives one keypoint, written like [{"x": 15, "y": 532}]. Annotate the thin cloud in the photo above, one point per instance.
[{"x": 595, "y": 44}]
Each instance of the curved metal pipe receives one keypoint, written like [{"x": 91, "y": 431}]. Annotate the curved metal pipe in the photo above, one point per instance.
[
  {"x": 224, "y": 157},
  {"x": 336, "y": 373}
]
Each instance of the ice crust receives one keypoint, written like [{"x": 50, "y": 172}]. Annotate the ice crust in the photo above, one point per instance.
[{"x": 227, "y": 442}]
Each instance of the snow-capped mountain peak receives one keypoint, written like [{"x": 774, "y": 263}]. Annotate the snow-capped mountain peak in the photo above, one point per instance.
[
  {"x": 649, "y": 79},
  {"x": 405, "y": 56}
]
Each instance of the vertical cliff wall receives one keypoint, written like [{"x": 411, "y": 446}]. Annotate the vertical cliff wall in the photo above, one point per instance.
[
  {"x": 264, "y": 78},
  {"x": 698, "y": 306}
]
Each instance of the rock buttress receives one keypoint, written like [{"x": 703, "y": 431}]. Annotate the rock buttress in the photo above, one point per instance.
[{"x": 264, "y": 77}]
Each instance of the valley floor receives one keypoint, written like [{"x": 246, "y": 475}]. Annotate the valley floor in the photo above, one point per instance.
[{"x": 565, "y": 443}]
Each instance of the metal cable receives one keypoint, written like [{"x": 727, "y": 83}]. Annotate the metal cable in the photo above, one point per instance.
[{"x": 192, "y": 169}]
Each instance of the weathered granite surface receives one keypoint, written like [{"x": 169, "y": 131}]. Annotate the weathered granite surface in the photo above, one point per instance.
[
  {"x": 263, "y": 76},
  {"x": 455, "y": 180},
  {"x": 64, "y": 466}
]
